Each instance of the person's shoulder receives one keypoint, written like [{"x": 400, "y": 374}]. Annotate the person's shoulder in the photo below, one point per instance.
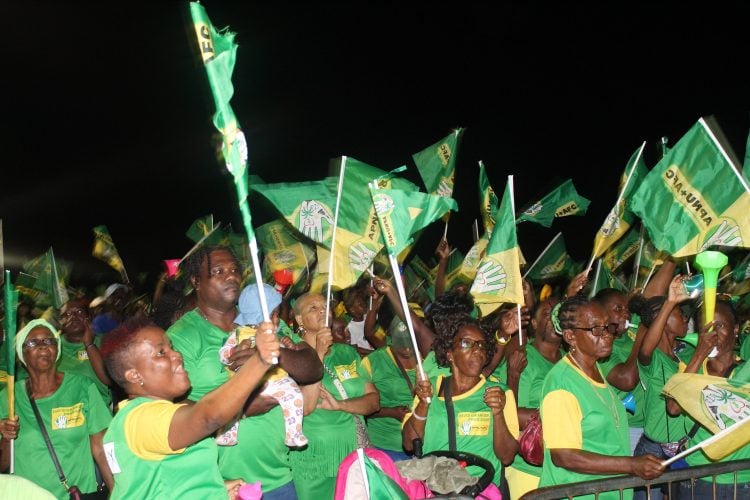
[
  {"x": 186, "y": 322},
  {"x": 348, "y": 350}
]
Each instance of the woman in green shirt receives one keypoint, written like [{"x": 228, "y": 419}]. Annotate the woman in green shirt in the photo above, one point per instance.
[{"x": 155, "y": 447}]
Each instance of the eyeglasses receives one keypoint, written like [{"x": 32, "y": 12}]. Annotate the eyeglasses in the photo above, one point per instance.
[
  {"x": 599, "y": 331},
  {"x": 72, "y": 312},
  {"x": 31, "y": 344},
  {"x": 467, "y": 344}
]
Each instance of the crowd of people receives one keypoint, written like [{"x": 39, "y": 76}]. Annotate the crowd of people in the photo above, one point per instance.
[{"x": 198, "y": 393}]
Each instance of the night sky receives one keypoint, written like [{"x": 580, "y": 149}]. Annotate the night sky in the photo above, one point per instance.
[{"x": 106, "y": 119}]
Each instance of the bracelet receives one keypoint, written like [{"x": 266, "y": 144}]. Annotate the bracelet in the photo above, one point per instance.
[
  {"x": 419, "y": 417},
  {"x": 501, "y": 340},
  {"x": 89, "y": 345}
]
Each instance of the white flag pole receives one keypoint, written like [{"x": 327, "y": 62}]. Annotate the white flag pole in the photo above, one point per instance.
[
  {"x": 333, "y": 238},
  {"x": 637, "y": 262},
  {"x": 619, "y": 198},
  {"x": 404, "y": 304},
  {"x": 513, "y": 214},
  {"x": 735, "y": 168},
  {"x": 541, "y": 255},
  {"x": 707, "y": 441}
]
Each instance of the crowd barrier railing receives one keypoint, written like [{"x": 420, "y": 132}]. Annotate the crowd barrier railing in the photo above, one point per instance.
[{"x": 670, "y": 479}]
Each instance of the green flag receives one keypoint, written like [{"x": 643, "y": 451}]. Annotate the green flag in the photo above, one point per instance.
[
  {"x": 47, "y": 278},
  {"x": 219, "y": 53},
  {"x": 694, "y": 199},
  {"x": 473, "y": 257},
  {"x": 741, "y": 271},
  {"x": 308, "y": 206},
  {"x": 10, "y": 299},
  {"x": 498, "y": 278},
  {"x": 283, "y": 251},
  {"x": 358, "y": 238},
  {"x": 553, "y": 262},
  {"x": 621, "y": 251},
  {"x": 604, "y": 278},
  {"x": 105, "y": 250},
  {"x": 488, "y": 202},
  {"x": 437, "y": 164},
  {"x": 200, "y": 228},
  {"x": 564, "y": 200},
  {"x": 403, "y": 213},
  {"x": 620, "y": 217}
]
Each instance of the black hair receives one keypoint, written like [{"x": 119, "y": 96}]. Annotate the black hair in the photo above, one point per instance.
[
  {"x": 566, "y": 315},
  {"x": 191, "y": 266},
  {"x": 646, "y": 309},
  {"x": 447, "y": 305},
  {"x": 605, "y": 294}
]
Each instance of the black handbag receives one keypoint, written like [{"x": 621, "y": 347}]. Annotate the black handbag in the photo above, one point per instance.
[{"x": 73, "y": 491}]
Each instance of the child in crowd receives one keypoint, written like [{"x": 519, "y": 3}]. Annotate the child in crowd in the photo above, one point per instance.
[{"x": 278, "y": 383}]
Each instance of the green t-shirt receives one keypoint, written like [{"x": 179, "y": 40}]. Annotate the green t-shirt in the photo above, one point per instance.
[
  {"x": 394, "y": 391},
  {"x": 187, "y": 473},
  {"x": 603, "y": 423},
  {"x": 529, "y": 392},
  {"x": 621, "y": 349},
  {"x": 659, "y": 425},
  {"x": 260, "y": 454},
  {"x": 331, "y": 434},
  {"x": 74, "y": 358},
  {"x": 474, "y": 423},
  {"x": 73, "y": 413},
  {"x": 432, "y": 369}
]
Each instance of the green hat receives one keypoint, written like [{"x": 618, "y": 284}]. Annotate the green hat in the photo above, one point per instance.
[{"x": 21, "y": 336}]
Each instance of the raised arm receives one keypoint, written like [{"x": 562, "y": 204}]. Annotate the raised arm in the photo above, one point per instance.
[
  {"x": 191, "y": 423},
  {"x": 443, "y": 253},
  {"x": 654, "y": 334},
  {"x": 422, "y": 332}
]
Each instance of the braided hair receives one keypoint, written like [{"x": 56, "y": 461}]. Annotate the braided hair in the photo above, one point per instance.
[{"x": 191, "y": 266}]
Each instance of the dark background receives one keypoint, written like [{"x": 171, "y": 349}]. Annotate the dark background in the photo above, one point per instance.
[{"x": 106, "y": 116}]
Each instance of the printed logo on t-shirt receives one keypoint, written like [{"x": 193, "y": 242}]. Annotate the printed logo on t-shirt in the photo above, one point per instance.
[
  {"x": 82, "y": 355},
  {"x": 473, "y": 423},
  {"x": 345, "y": 372},
  {"x": 68, "y": 416}
]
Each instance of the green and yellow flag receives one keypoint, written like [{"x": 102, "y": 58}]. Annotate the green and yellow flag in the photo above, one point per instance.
[
  {"x": 219, "y": 53},
  {"x": 562, "y": 201},
  {"x": 716, "y": 403},
  {"x": 488, "y": 202},
  {"x": 498, "y": 279},
  {"x": 200, "y": 228},
  {"x": 48, "y": 278},
  {"x": 437, "y": 164},
  {"x": 694, "y": 198},
  {"x": 358, "y": 238},
  {"x": 620, "y": 217},
  {"x": 476, "y": 253},
  {"x": 626, "y": 247},
  {"x": 105, "y": 250},
  {"x": 307, "y": 206},
  {"x": 283, "y": 251},
  {"x": 403, "y": 213},
  {"x": 553, "y": 262}
]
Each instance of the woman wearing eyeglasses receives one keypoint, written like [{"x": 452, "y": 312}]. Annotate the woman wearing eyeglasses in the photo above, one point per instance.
[
  {"x": 72, "y": 411},
  {"x": 485, "y": 409},
  {"x": 584, "y": 424}
]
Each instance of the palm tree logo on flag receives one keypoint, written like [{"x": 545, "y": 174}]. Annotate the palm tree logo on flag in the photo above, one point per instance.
[{"x": 725, "y": 407}]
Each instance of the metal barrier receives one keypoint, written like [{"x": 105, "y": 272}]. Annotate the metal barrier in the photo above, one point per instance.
[{"x": 620, "y": 483}]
